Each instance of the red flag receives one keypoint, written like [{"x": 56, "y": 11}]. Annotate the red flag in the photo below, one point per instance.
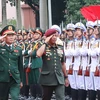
[{"x": 91, "y": 13}]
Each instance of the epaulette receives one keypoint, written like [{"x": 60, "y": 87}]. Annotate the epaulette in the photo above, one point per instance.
[
  {"x": 26, "y": 43},
  {"x": 28, "y": 46},
  {"x": 59, "y": 42}
]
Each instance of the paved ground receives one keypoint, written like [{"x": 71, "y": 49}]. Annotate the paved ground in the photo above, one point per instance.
[{"x": 53, "y": 98}]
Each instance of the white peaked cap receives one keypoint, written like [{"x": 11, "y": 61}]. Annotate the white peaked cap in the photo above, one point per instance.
[
  {"x": 57, "y": 28},
  {"x": 70, "y": 26},
  {"x": 90, "y": 24},
  {"x": 80, "y": 26},
  {"x": 97, "y": 23}
]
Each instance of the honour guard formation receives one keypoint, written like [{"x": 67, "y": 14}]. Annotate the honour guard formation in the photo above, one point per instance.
[{"x": 52, "y": 65}]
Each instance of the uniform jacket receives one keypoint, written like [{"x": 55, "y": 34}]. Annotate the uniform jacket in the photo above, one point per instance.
[
  {"x": 10, "y": 63},
  {"x": 51, "y": 73}
]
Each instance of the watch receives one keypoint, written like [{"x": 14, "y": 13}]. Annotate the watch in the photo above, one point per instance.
[{"x": 65, "y": 77}]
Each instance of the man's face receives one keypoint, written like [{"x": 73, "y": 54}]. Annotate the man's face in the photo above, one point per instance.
[
  {"x": 96, "y": 32},
  {"x": 25, "y": 36},
  {"x": 54, "y": 38},
  {"x": 69, "y": 33},
  {"x": 9, "y": 39},
  {"x": 78, "y": 32},
  {"x": 36, "y": 36},
  {"x": 90, "y": 31}
]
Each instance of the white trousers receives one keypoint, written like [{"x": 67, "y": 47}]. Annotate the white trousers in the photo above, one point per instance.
[{"x": 77, "y": 81}]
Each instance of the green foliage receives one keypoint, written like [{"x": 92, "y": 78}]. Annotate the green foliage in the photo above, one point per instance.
[
  {"x": 73, "y": 9},
  {"x": 11, "y": 22}
]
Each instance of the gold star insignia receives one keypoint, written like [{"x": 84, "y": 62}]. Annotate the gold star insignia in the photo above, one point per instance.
[{"x": 10, "y": 28}]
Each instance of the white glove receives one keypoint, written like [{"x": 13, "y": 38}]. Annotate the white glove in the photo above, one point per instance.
[
  {"x": 23, "y": 52},
  {"x": 97, "y": 51},
  {"x": 68, "y": 53},
  {"x": 83, "y": 52},
  {"x": 89, "y": 52},
  {"x": 76, "y": 53},
  {"x": 93, "y": 53},
  {"x": 29, "y": 51}
]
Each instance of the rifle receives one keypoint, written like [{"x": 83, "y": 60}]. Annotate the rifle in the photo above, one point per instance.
[
  {"x": 80, "y": 67},
  {"x": 97, "y": 72},
  {"x": 70, "y": 71},
  {"x": 87, "y": 71},
  {"x": 28, "y": 69}
]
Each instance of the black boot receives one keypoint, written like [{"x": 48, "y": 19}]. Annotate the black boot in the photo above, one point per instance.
[
  {"x": 82, "y": 94},
  {"x": 98, "y": 94},
  {"x": 74, "y": 94},
  {"x": 92, "y": 95}
]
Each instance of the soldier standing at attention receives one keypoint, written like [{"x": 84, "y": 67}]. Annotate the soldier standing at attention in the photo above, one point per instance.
[
  {"x": 11, "y": 67},
  {"x": 54, "y": 69},
  {"x": 68, "y": 50}
]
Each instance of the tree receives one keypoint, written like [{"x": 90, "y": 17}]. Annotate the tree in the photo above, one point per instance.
[
  {"x": 18, "y": 12},
  {"x": 4, "y": 15},
  {"x": 73, "y": 9}
]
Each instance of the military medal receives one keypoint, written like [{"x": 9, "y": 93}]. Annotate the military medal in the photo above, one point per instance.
[
  {"x": 15, "y": 50},
  {"x": 48, "y": 58}
]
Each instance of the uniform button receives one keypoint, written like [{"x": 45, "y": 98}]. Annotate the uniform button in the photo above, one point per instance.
[
  {"x": 9, "y": 58},
  {"x": 8, "y": 70},
  {"x": 54, "y": 57},
  {"x": 10, "y": 53},
  {"x": 55, "y": 64},
  {"x": 55, "y": 67},
  {"x": 55, "y": 70},
  {"x": 9, "y": 64},
  {"x": 55, "y": 60}
]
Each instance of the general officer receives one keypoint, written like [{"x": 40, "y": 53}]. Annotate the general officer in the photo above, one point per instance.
[
  {"x": 53, "y": 69},
  {"x": 11, "y": 67}
]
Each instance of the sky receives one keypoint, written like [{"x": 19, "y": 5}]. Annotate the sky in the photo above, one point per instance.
[{"x": 11, "y": 11}]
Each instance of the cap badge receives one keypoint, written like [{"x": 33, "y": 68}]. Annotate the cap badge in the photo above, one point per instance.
[{"x": 10, "y": 28}]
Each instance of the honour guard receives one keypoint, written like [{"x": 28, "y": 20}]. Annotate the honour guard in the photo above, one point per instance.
[
  {"x": 79, "y": 62},
  {"x": 11, "y": 68},
  {"x": 68, "y": 50},
  {"x": 95, "y": 67},
  {"x": 34, "y": 64},
  {"x": 89, "y": 80}
]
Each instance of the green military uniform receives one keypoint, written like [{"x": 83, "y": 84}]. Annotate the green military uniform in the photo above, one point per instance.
[
  {"x": 51, "y": 70},
  {"x": 11, "y": 69},
  {"x": 36, "y": 63},
  {"x": 51, "y": 75}
]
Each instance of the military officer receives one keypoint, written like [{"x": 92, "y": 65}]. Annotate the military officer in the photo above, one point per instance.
[
  {"x": 11, "y": 67},
  {"x": 53, "y": 69}
]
